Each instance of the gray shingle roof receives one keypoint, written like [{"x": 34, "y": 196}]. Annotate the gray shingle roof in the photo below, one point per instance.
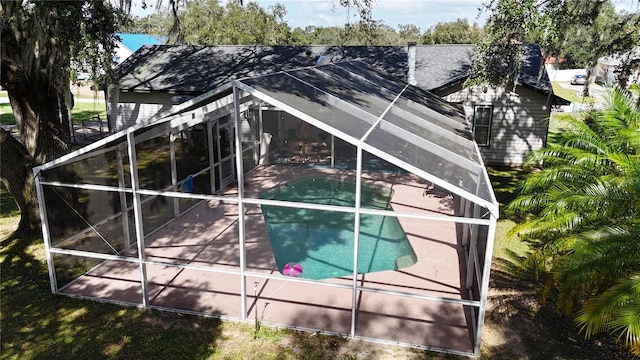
[
  {"x": 533, "y": 72},
  {"x": 194, "y": 69},
  {"x": 441, "y": 65},
  {"x": 438, "y": 66}
]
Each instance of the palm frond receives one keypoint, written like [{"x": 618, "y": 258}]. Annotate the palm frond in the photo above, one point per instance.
[
  {"x": 582, "y": 224},
  {"x": 551, "y": 176},
  {"x": 616, "y": 310}
]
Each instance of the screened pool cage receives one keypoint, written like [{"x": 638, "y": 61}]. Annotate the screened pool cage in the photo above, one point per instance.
[{"x": 331, "y": 198}]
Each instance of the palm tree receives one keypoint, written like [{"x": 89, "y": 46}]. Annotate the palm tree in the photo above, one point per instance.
[{"x": 582, "y": 220}]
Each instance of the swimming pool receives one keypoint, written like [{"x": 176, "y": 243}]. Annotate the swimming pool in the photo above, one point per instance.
[{"x": 321, "y": 242}]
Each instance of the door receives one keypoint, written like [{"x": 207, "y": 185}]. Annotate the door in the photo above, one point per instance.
[
  {"x": 226, "y": 150},
  {"x": 222, "y": 153}
]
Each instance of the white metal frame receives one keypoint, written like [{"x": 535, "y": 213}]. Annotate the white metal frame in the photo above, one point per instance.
[{"x": 476, "y": 210}]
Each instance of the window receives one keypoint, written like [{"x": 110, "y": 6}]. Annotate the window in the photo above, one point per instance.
[{"x": 482, "y": 119}]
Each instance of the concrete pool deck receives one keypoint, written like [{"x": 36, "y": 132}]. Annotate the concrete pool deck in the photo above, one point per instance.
[{"x": 206, "y": 237}]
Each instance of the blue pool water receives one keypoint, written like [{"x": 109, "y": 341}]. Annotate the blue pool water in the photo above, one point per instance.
[{"x": 322, "y": 241}]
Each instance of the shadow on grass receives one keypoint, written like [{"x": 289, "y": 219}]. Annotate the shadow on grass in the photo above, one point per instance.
[
  {"x": 274, "y": 343},
  {"x": 85, "y": 115},
  {"x": 508, "y": 269},
  {"x": 37, "y": 324},
  {"x": 8, "y": 206},
  {"x": 505, "y": 182}
]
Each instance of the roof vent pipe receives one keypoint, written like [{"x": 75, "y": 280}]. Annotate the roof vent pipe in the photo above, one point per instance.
[{"x": 411, "y": 62}]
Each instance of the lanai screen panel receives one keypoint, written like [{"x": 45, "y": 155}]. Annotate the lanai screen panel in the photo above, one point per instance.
[
  {"x": 418, "y": 112},
  {"x": 443, "y": 159},
  {"x": 418, "y": 96},
  {"x": 406, "y": 147},
  {"x": 426, "y": 129},
  {"x": 360, "y": 70},
  {"x": 412, "y": 99},
  {"x": 313, "y": 102},
  {"x": 453, "y": 123},
  {"x": 357, "y": 91},
  {"x": 351, "y": 98}
]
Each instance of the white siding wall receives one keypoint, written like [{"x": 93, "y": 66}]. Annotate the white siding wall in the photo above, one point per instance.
[
  {"x": 133, "y": 108},
  {"x": 520, "y": 122}
]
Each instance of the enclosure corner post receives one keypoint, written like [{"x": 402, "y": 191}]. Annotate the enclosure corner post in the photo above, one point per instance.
[
  {"x": 259, "y": 136},
  {"x": 484, "y": 286},
  {"x": 240, "y": 180},
  {"x": 356, "y": 240},
  {"x": 333, "y": 151},
  {"x": 45, "y": 232},
  {"x": 137, "y": 212}
]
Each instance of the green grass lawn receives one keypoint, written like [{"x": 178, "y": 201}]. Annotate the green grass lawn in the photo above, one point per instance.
[
  {"x": 505, "y": 182},
  {"x": 6, "y": 114},
  {"x": 39, "y": 325},
  {"x": 570, "y": 95},
  {"x": 81, "y": 111}
]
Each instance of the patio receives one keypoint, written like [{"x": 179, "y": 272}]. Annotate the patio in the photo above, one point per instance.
[{"x": 206, "y": 236}]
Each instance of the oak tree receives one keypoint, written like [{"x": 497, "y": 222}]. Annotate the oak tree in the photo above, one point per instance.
[
  {"x": 38, "y": 41},
  {"x": 552, "y": 25}
]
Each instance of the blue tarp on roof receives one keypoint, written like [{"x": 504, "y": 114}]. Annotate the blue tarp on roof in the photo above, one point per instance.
[{"x": 135, "y": 41}]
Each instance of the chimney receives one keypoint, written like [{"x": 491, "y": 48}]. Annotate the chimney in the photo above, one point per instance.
[{"x": 411, "y": 62}]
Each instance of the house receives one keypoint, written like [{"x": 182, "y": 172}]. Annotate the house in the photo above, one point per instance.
[{"x": 508, "y": 123}]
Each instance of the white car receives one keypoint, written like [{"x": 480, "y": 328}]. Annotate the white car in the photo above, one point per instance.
[{"x": 578, "y": 79}]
